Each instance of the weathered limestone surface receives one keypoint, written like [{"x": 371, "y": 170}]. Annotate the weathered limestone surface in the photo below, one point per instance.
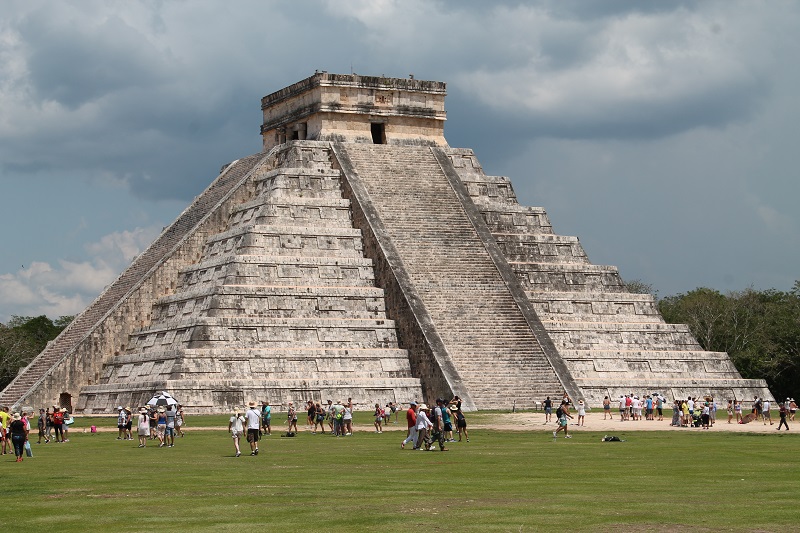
[
  {"x": 280, "y": 306},
  {"x": 486, "y": 338},
  {"x": 613, "y": 342}
]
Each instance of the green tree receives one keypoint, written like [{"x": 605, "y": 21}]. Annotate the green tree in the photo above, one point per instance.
[{"x": 22, "y": 339}]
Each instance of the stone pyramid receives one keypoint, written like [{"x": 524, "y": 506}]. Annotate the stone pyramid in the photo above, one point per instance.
[{"x": 358, "y": 255}]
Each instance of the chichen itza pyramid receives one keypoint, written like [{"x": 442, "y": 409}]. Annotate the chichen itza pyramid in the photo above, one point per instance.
[{"x": 358, "y": 255}]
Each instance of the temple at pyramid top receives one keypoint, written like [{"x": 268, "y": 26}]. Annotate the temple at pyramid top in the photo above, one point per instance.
[{"x": 353, "y": 108}]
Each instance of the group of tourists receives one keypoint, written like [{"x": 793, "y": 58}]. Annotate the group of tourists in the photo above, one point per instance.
[
  {"x": 15, "y": 429},
  {"x": 426, "y": 426},
  {"x": 152, "y": 422}
]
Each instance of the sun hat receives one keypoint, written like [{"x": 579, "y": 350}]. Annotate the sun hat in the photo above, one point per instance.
[
  {"x": 143, "y": 410},
  {"x": 423, "y": 407},
  {"x": 251, "y": 404},
  {"x": 161, "y": 409},
  {"x": 63, "y": 409},
  {"x": 16, "y": 416},
  {"x": 454, "y": 408}
]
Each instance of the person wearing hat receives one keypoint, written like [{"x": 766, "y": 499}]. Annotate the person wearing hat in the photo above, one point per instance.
[
  {"x": 143, "y": 426},
  {"x": 122, "y": 417},
  {"x": 437, "y": 432},
  {"x": 161, "y": 426},
  {"x": 19, "y": 434},
  {"x": 411, "y": 419},
  {"x": 461, "y": 422},
  {"x": 253, "y": 427},
  {"x": 792, "y": 409},
  {"x": 67, "y": 421},
  {"x": 782, "y": 411},
  {"x": 423, "y": 427},
  {"x": 58, "y": 424},
  {"x": 236, "y": 427}
]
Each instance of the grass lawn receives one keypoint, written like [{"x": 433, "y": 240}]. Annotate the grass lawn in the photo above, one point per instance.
[{"x": 500, "y": 481}]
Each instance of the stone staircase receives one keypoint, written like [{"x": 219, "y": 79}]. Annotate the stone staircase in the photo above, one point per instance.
[
  {"x": 488, "y": 339},
  {"x": 60, "y": 350},
  {"x": 613, "y": 342},
  {"x": 280, "y": 306}
]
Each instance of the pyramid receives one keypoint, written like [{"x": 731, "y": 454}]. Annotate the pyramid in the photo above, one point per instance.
[{"x": 359, "y": 256}]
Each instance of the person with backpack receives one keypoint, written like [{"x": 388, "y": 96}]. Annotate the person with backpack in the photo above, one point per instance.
[
  {"x": 58, "y": 424},
  {"x": 438, "y": 424},
  {"x": 562, "y": 413}
]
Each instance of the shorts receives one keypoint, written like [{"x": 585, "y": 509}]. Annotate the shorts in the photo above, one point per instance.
[
  {"x": 448, "y": 426},
  {"x": 143, "y": 431},
  {"x": 170, "y": 432},
  {"x": 236, "y": 434},
  {"x": 562, "y": 422},
  {"x": 462, "y": 424},
  {"x": 252, "y": 435},
  {"x": 606, "y": 408},
  {"x": 320, "y": 418},
  {"x": 548, "y": 410},
  {"x": 160, "y": 429},
  {"x": 660, "y": 411}
]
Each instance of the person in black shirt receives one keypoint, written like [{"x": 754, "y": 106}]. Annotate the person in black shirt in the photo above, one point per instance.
[{"x": 19, "y": 434}]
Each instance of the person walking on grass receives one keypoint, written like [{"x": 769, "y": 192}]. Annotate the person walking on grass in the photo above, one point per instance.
[
  {"x": 170, "y": 430},
  {"x": 347, "y": 417},
  {"x": 236, "y": 427},
  {"x": 180, "y": 418},
  {"x": 253, "y": 427},
  {"x": 423, "y": 426},
  {"x": 438, "y": 424},
  {"x": 792, "y": 408},
  {"x": 562, "y": 413},
  {"x": 266, "y": 417},
  {"x": 730, "y": 411},
  {"x": 121, "y": 421},
  {"x": 19, "y": 434},
  {"x": 42, "y": 424},
  {"x": 782, "y": 411},
  {"x": 411, "y": 419},
  {"x": 143, "y": 427},
  {"x": 161, "y": 427}
]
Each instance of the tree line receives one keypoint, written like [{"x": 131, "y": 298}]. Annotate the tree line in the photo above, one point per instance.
[
  {"x": 22, "y": 338},
  {"x": 760, "y": 330}
]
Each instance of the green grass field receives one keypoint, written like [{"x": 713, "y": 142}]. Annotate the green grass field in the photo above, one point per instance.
[{"x": 500, "y": 481}]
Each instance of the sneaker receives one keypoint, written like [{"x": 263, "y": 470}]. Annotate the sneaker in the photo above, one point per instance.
[
  {"x": 403, "y": 445},
  {"x": 554, "y": 434},
  {"x": 256, "y": 451},
  {"x": 467, "y": 440},
  {"x": 445, "y": 450},
  {"x": 238, "y": 454},
  {"x": 568, "y": 436},
  {"x": 252, "y": 453}
]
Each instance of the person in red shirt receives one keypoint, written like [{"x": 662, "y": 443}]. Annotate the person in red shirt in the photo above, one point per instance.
[{"x": 411, "y": 418}]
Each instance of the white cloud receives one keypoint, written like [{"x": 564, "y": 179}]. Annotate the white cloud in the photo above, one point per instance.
[{"x": 67, "y": 287}]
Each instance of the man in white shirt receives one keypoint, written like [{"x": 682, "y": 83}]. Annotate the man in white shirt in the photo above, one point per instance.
[
  {"x": 423, "y": 426},
  {"x": 765, "y": 412},
  {"x": 253, "y": 427}
]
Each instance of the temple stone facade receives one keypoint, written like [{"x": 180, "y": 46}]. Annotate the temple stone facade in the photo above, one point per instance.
[{"x": 359, "y": 256}]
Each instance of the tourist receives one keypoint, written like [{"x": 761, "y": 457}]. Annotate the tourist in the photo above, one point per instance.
[
  {"x": 58, "y": 424},
  {"x": 676, "y": 414},
  {"x": 393, "y": 411},
  {"x": 423, "y": 428},
  {"x": 737, "y": 409},
  {"x": 378, "y": 418},
  {"x": 41, "y": 425},
  {"x": 461, "y": 422},
  {"x": 347, "y": 417},
  {"x": 310, "y": 414},
  {"x": 121, "y": 420},
  {"x": 170, "y": 430},
  {"x": 629, "y": 407},
  {"x": 266, "y": 417},
  {"x": 48, "y": 425},
  {"x": 757, "y": 407},
  {"x": 319, "y": 418},
  {"x": 622, "y": 408},
  {"x": 730, "y": 411},
  {"x": 153, "y": 421},
  {"x": 448, "y": 425},
  {"x": 548, "y": 409},
  {"x": 180, "y": 419},
  {"x": 26, "y": 419},
  {"x": 19, "y": 434},
  {"x": 660, "y": 407},
  {"x": 67, "y": 421},
  {"x": 161, "y": 426},
  {"x": 690, "y": 406},
  {"x": 329, "y": 415},
  {"x": 782, "y": 411},
  {"x": 765, "y": 412},
  {"x": 438, "y": 424},
  {"x": 705, "y": 416},
  {"x": 792, "y": 409},
  {"x": 236, "y": 427},
  {"x": 648, "y": 406},
  {"x": 411, "y": 419},
  {"x": 581, "y": 413},
  {"x": 253, "y": 427},
  {"x": 143, "y": 426},
  {"x": 712, "y": 411},
  {"x": 687, "y": 420},
  {"x": 5, "y": 421},
  {"x": 291, "y": 417},
  {"x": 338, "y": 419},
  {"x": 562, "y": 413},
  {"x": 607, "y": 409}
]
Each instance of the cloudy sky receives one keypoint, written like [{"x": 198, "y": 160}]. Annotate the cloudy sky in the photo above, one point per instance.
[{"x": 663, "y": 134}]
